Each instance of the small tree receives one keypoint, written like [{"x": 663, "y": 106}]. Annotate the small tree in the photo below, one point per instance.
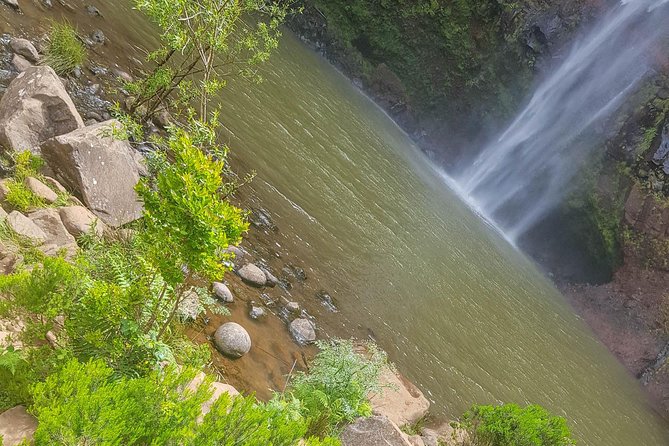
[
  {"x": 511, "y": 425},
  {"x": 208, "y": 38},
  {"x": 187, "y": 225}
]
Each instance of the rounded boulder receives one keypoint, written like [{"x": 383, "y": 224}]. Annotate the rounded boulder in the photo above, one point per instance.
[{"x": 232, "y": 340}]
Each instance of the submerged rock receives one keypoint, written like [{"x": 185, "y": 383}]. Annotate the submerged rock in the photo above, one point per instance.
[
  {"x": 232, "y": 340},
  {"x": 257, "y": 312},
  {"x": 99, "y": 169},
  {"x": 303, "y": 331},
  {"x": 34, "y": 108}
]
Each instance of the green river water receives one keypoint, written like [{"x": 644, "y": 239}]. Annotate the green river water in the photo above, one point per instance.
[{"x": 461, "y": 313}]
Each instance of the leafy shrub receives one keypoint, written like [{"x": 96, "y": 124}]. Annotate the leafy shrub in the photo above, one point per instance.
[
  {"x": 83, "y": 404},
  {"x": 335, "y": 389},
  {"x": 511, "y": 425},
  {"x": 64, "y": 52},
  {"x": 186, "y": 222}
]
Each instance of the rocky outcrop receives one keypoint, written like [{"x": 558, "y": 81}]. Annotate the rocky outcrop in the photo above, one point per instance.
[
  {"x": 373, "y": 431},
  {"x": 400, "y": 400},
  {"x": 232, "y": 340},
  {"x": 34, "y": 108},
  {"x": 100, "y": 170},
  {"x": 17, "y": 425}
]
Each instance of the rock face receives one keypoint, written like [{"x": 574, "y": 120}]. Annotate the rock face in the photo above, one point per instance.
[
  {"x": 232, "y": 340},
  {"x": 252, "y": 275},
  {"x": 78, "y": 220},
  {"x": 25, "y": 49},
  {"x": 400, "y": 401},
  {"x": 25, "y": 227},
  {"x": 34, "y": 108},
  {"x": 373, "y": 431},
  {"x": 21, "y": 63},
  {"x": 16, "y": 425},
  {"x": 99, "y": 169},
  {"x": 303, "y": 331}
]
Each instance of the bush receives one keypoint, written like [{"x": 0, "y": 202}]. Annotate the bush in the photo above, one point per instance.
[
  {"x": 64, "y": 52},
  {"x": 83, "y": 404},
  {"x": 511, "y": 425},
  {"x": 335, "y": 389}
]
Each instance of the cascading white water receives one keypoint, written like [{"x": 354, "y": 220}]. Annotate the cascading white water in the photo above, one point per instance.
[{"x": 525, "y": 172}]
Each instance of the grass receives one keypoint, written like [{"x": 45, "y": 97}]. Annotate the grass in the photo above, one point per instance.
[{"x": 65, "y": 52}]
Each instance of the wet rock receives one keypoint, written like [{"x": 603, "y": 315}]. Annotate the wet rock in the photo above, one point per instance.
[
  {"x": 93, "y": 11},
  {"x": 99, "y": 169},
  {"x": 327, "y": 300},
  {"x": 17, "y": 425},
  {"x": 41, "y": 190},
  {"x": 271, "y": 280},
  {"x": 20, "y": 63},
  {"x": 400, "y": 401},
  {"x": 232, "y": 340},
  {"x": 260, "y": 218},
  {"x": 24, "y": 48},
  {"x": 13, "y": 3},
  {"x": 295, "y": 271},
  {"x": 303, "y": 331},
  {"x": 293, "y": 307},
  {"x": 373, "y": 431},
  {"x": 120, "y": 74},
  {"x": 257, "y": 312},
  {"x": 34, "y": 108},
  {"x": 25, "y": 227},
  {"x": 79, "y": 221},
  {"x": 222, "y": 292},
  {"x": 6, "y": 76},
  {"x": 252, "y": 275},
  {"x": 98, "y": 70},
  {"x": 98, "y": 37},
  {"x": 48, "y": 220},
  {"x": 47, "y": 3}
]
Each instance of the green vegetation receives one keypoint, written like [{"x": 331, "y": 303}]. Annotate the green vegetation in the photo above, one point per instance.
[
  {"x": 335, "y": 390},
  {"x": 511, "y": 425},
  {"x": 64, "y": 52},
  {"x": 450, "y": 56},
  {"x": 26, "y": 165},
  {"x": 207, "y": 38}
]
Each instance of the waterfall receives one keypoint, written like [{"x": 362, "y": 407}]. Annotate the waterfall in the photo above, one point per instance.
[{"x": 524, "y": 173}]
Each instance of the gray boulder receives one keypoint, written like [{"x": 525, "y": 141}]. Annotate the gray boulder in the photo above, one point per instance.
[
  {"x": 21, "y": 63},
  {"x": 99, "y": 169},
  {"x": 252, "y": 275},
  {"x": 17, "y": 425},
  {"x": 78, "y": 221},
  {"x": 34, "y": 108},
  {"x": 24, "y": 48},
  {"x": 257, "y": 312},
  {"x": 232, "y": 340},
  {"x": 222, "y": 292},
  {"x": 303, "y": 331},
  {"x": 270, "y": 279},
  {"x": 25, "y": 227},
  {"x": 48, "y": 220},
  {"x": 373, "y": 431},
  {"x": 41, "y": 190},
  {"x": 13, "y": 3}
]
